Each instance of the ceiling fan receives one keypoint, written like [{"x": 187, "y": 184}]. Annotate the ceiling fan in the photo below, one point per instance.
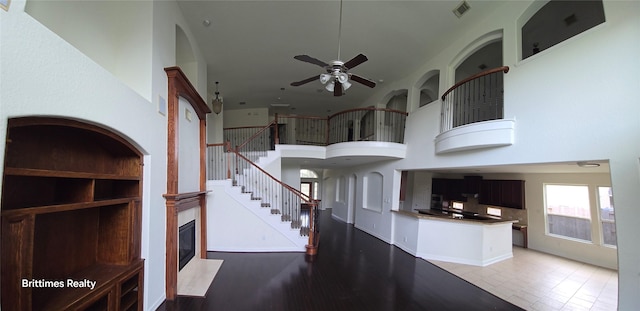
[{"x": 336, "y": 79}]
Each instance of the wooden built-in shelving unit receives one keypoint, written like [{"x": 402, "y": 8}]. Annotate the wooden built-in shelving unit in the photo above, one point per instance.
[{"x": 71, "y": 209}]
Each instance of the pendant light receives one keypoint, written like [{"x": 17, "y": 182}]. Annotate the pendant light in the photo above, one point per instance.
[{"x": 217, "y": 102}]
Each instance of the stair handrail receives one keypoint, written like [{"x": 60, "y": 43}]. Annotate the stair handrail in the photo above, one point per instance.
[{"x": 504, "y": 69}]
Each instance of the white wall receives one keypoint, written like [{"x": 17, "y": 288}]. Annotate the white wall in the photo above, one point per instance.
[
  {"x": 234, "y": 227},
  {"x": 189, "y": 141},
  {"x": 246, "y": 117},
  {"x": 291, "y": 174},
  {"x": 121, "y": 47}
]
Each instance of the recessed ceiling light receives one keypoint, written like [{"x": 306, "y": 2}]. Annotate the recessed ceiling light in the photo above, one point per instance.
[
  {"x": 242, "y": 103},
  {"x": 588, "y": 164},
  {"x": 206, "y": 23}
]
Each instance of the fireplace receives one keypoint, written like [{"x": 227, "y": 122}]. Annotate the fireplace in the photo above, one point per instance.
[{"x": 186, "y": 243}]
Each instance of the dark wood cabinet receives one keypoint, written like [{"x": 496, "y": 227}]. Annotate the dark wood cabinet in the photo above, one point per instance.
[
  {"x": 512, "y": 193},
  {"x": 490, "y": 192},
  {"x": 502, "y": 193},
  {"x": 70, "y": 210},
  {"x": 450, "y": 189}
]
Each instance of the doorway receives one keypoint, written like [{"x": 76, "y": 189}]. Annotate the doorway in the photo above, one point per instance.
[{"x": 306, "y": 187}]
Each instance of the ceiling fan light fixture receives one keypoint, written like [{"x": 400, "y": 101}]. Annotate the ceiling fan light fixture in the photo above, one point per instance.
[
  {"x": 330, "y": 86},
  {"x": 346, "y": 85},
  {"x": 343, "y": 77},
  {"x": 324, "y": 78}
]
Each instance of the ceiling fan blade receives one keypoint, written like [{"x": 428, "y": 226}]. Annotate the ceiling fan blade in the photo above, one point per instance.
[
  {"x": 362, "y": 80},
  {"x": 309, "y": 59},
  {"x": 359, "y": 59},
  {"x": 305, "y": 81},
  {"x": 337, "y": 89}
]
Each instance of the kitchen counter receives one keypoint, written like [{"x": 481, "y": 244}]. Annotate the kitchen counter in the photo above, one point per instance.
[
  {"x": 454, "y": 238},
  {"x": 458, "y": 215}
]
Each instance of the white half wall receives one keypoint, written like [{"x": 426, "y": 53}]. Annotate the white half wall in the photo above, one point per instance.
[{"x": 233, "y": 225}]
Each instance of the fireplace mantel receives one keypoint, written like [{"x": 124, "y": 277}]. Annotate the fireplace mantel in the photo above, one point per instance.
[{"x": 180, "y": 87}]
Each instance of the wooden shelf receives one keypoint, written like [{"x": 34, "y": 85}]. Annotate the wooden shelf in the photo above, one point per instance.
[
  {"x": 64, "y": 207},
  {"x": 71, "y": 209},
  {"x": 16, "y": 171}
]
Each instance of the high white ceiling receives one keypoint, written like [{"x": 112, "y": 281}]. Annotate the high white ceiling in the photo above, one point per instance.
[{"x": 249, "y": 45}]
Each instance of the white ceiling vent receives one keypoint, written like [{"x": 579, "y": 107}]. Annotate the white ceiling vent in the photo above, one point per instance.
[{"x": 462, "y": 8}]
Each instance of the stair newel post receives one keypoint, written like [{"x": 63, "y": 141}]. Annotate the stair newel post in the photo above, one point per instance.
[
  {"x": 312, "y": 249},
  {"x": 277, "y": 138}
]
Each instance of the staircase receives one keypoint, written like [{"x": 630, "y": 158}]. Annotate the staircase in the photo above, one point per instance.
[{"x": 284, "y": 208}]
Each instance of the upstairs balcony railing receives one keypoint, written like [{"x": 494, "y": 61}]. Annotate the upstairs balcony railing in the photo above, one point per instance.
[
  {"x": 361, "y": 124},
  {"x": 474, "y": 99},
  {"x": 252, "y": 141}
]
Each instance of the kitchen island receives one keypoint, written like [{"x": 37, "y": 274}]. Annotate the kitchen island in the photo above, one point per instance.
[{"x": 446, "y": 236}]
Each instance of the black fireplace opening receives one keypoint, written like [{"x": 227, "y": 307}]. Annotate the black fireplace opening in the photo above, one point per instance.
[{"x": 186, "y": 243}]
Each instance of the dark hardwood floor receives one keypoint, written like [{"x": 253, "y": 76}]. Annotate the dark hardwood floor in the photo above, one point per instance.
[{"x": 352, "y": 271}]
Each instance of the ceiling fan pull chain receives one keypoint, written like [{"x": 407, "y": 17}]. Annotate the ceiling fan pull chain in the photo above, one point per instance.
[{"x": 339, "y": 31}]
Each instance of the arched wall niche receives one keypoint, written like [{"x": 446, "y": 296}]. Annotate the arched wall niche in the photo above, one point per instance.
[
  {"x": 428, "y": 87},
  {"x": 372, "y": 186},
  {"x": 546, "y": 24}
]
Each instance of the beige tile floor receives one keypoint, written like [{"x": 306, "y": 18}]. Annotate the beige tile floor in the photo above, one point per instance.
[{"x": 538, "y": 281}]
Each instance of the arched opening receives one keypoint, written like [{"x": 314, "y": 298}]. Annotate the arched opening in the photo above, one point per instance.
[
  {"x": 477, "y": 94},
  {"x": 487, "y": 57},
  {"x": 398, "y": 101},
  {"x": 557, "y": 21}
]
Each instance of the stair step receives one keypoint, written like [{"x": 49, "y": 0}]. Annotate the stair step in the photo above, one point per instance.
[{"x": 265, "y": 205}]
